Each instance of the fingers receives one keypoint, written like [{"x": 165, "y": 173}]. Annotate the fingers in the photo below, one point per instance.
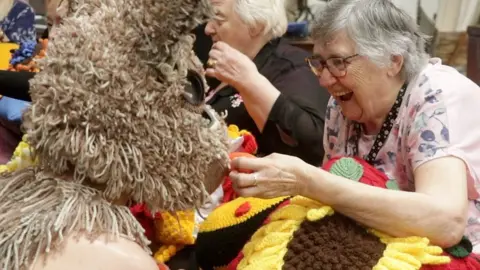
[
  {"x": 211, "y": 72},
  {"x": 248, "y": 192},
  {"x": 220, "y": 45},
  {"x": 244, "y": 180},
  {"x": 249, "y": 164},
  {"x": 215, "y": 54},
  {"x": 245, "y": 184}
]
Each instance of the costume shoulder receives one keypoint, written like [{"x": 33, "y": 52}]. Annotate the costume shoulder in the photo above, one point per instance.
[{"x": 38, "y": 211}]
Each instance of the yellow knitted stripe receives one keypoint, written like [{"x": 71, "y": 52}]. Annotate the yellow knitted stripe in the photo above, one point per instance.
[
  {"x": 164, "y": 253},
  {"x": 224, "y": 215},
  {"x": 408, "y": 253},
  {"x": 22, "y": 158},
  {"x": 234, "y": 132},
  {"x": 175, "y": 229},
  {"x": 268, "y": 245}
]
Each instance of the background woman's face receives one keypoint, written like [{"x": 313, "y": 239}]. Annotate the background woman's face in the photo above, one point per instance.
[{"x": 227, "y": 26}]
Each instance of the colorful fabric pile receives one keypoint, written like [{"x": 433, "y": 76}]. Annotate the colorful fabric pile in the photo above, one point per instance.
[
  {"x": 6, "y": 54},
  {"x": 24, "y": 58},
  {"x": 298, "y": 233},
  {"x": 22, "y": 158}
]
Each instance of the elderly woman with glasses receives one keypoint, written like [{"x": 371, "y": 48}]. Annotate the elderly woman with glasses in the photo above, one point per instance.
[
  {"x": 407, "y": 115},
  {"x": 266, "y": 87}
]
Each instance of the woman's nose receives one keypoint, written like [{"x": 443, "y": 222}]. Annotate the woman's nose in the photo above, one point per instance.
[
  {"x": 209, "y": 28},
  {"x": 326, "y": 78}
]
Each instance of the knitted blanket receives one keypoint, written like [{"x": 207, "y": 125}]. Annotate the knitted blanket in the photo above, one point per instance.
[{"x": 299, "y": 233}]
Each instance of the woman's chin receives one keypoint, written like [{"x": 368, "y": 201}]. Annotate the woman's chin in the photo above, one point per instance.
[{"x": 351, "y": 110}]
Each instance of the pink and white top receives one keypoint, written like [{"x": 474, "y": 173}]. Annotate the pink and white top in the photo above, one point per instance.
[{"x": 439, "y": 116}]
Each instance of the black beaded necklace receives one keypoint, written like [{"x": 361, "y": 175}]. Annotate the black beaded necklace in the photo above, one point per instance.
[{"x": 382, "y": 136}]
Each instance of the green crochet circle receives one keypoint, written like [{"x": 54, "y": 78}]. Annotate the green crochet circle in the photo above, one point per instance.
[
  {"x": 348, "y": 168},
  {"x": 462, "y": 249}
]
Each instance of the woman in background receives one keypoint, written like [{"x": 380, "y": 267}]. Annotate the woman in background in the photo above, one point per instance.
[
  {"x": 17, "y": 20},
  {"x": 266, "y": 86}
]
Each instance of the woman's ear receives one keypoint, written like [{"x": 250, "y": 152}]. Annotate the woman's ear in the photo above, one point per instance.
[
  {"x": 256, "y": 31},
  {"x": 396, "y": 65}
]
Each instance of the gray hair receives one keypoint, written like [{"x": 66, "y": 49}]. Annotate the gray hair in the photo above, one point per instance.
[
  {"x": 270, "y": 14},
  {"x": 379, "y": 29}
]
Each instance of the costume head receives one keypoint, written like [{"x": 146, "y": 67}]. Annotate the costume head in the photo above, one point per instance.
[{"x": 119, "y": 102}]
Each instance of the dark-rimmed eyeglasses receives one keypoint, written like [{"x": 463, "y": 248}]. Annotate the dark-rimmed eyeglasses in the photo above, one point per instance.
[{"x": 336, "y": 65}]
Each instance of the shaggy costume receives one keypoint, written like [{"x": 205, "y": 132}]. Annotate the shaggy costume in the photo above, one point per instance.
[
  {"x": 110, "y": 117},
  {"x": 171, "y": 232},
  {"x": 298, "y": 233}
]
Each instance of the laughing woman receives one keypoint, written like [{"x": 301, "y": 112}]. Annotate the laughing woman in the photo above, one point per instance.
[{"x": 409, "y": 116}]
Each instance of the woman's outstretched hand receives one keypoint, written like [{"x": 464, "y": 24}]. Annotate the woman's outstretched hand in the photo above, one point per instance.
[
  {"x": 272, "y": 176},
  {"x": 229, "y": 65}
]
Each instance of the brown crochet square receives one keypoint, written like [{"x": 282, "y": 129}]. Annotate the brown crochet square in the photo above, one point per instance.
[{"x": 334, "y": 242}]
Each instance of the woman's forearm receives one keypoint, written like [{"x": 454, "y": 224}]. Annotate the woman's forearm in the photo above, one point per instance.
[
  {"x": 259, "y": 96},
  {"x": 397, "y": 213}
]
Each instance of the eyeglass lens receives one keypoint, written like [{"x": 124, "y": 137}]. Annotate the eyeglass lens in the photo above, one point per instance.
[{"x": 336, "y": 66}]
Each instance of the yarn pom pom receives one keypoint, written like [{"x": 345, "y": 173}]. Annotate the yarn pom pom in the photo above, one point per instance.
[
  {"x": 351, "y": 167},
  {"x": 348, "y": 168}
]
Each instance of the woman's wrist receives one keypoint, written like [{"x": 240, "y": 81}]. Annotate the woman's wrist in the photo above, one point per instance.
[
  {"x": 254, "y": 80},
  {"x": 316, "y": 185},
  {"x": 307, "y": 175}
]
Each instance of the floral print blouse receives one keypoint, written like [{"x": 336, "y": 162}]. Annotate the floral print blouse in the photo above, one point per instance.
[
  {"x": 439, "y": 117},
  {"x": 18, "y": 25}
]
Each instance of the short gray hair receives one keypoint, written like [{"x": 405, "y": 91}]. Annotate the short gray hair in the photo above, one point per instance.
[
  {"x": 380, "y": 30},
  {"x": 270, "y": 14}
]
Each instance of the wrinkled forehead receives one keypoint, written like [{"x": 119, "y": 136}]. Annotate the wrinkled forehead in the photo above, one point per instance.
[
  {"x": 338, "y": 44},
  {"x": 221, "y": 6},
  {"x": 217, "y": 3}
]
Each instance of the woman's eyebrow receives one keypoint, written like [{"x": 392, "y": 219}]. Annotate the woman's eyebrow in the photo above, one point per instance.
[{"x": 333, "y": 55}]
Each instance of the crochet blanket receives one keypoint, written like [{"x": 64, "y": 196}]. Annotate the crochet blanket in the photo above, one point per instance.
[{"x": 299, "y": 233}]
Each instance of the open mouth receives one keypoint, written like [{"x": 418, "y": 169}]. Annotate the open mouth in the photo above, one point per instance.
[
  {"x": 344, "y": 96},
  {"x": 194, "y": 94},
  {"x": 209, "y": 115}
]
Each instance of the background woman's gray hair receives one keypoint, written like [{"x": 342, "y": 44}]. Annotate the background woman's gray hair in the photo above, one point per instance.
[
  {"x": 270, "y": 14},
  {"x": 379, "y": 29}
]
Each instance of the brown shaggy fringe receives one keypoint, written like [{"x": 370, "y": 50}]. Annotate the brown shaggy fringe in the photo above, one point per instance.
[
  {"x": 38, "y": 211},
  {"x": 334, "y": 242},
  {"x": 108, "y": 103}
]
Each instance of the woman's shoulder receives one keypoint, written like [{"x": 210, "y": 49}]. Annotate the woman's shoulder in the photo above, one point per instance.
[
  {"x": 437, "y": 76},
  {"x": 282, "y": 58}
]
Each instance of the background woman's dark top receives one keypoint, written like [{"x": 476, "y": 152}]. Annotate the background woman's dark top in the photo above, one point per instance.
[{"x": 295, "y": 124}]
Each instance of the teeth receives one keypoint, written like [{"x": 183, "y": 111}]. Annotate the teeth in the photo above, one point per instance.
[{"x": 339, "y": 94}]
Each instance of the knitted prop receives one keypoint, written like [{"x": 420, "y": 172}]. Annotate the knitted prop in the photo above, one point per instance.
[
  {"x": 6, "y": 54},
  {"x": 110, "y": 121},
  {"x": 173, "y": 231},
  {"x": 25, "y": 58},
  {"x": 305, "y": 234}
]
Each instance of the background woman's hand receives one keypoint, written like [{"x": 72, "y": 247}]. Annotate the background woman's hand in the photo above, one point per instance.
[
  {"x": 229, "y": 65},
  {"x": 273, "y": 176}
]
